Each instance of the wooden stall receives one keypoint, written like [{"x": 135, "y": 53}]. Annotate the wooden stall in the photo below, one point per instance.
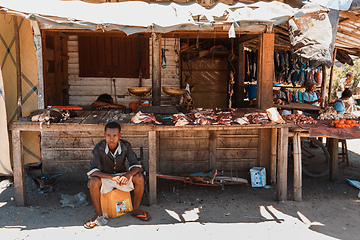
[
  {"x": 67, "y": 146},
  {"x": 71, "y": 75}
]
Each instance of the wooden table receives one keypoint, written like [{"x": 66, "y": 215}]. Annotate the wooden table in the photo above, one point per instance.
[{"x": 96, "y": 121}]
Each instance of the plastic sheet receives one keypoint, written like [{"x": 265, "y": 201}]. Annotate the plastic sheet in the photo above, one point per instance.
[
  {"x": 73, "y": 201},
  {"x": 313, "y": 35}
]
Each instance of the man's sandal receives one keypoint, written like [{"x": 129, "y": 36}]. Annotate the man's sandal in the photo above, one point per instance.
[
  {"x": 145, "y": 216},
  {"x": 99, "y": 221}
]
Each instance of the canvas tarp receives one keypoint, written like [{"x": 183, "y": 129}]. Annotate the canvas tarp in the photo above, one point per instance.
[
  {"x": 29, "y": 79},
  {"x": 136, "y": 16}
]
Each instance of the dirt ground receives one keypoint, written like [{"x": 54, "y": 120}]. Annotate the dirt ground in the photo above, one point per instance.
[{"x": 329, "y": 210}]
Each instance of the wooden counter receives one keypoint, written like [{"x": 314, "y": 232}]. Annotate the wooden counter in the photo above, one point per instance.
[{"x": 169, "y": 149}]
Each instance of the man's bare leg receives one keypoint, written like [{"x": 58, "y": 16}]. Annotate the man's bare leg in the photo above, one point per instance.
[
  {"x": 95, "y": 185},
  {"x": 139, "y": 185}
]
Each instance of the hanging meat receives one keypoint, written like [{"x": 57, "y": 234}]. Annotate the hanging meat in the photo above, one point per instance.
[{"x": 144, "y": 118}]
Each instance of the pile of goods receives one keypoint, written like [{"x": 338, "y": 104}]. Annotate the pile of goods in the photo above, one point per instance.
[
  {"x": 300, "y": 119},
  {"x": 51, "y": 115},
  {"x": 329, "y": 113},
  {"x": 341, "y": 123},
  {"x": 144, "y": 118},
  {"x": 202, "y": 116}
]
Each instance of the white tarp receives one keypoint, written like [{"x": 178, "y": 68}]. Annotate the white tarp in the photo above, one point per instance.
[{"x": 135, "y": 16}]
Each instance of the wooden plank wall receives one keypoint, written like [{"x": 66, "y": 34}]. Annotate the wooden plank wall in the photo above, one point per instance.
[
  {"x": 194, "y": 151},
  {"x": 184, "y": 151},
  {"x": 84, "y": 90},
  {"x": 70, "y": 152}
]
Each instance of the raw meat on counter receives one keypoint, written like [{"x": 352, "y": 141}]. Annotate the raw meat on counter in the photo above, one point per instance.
[
  {"x": 180, "y": 119},
  {"x": 144, "y": 118},
  {"x": 257, "y": 118},
  {"x": 300, "y": 119}
]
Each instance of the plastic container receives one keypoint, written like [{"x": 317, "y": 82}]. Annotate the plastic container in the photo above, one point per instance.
[
  {"x": 252, "y": 91},
  {"x": 116, "y": 203},
  {"x": 258, "y": 176}
]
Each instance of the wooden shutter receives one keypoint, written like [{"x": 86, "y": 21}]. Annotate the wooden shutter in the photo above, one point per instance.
[{"x": 102, "y": 55}]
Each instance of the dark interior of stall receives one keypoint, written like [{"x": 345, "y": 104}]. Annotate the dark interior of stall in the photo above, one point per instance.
[{"x": 210, "y": 67}]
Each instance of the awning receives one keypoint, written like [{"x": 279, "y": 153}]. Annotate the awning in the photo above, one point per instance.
[{"x": 135, "y": 16}]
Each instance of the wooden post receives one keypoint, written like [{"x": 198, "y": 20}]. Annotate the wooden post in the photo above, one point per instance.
[
  {"x": 18, "y": 67},
  {"x": 331, "y": 75},
  {"x": 323, "y": 85},
  {"x": 212, "y": 149},
  {"x": 156, "y": 69},
  {"x": 297, "y": 168},
  {"x": 152, "y": 167},
  {"x": 273, "y": 155},
  {"x": 19, "y": 176},
  {"x": 239, "y": 85},
  {"x": 39, "y": 60},
  {"x": 264, "y": 93},
  {"x": 282, "y": 164},
  {"x": 334, "y": 158}
]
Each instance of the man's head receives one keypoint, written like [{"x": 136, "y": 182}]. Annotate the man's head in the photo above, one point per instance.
[
  {"x": 350, "y": 75},
  {"x": 112, "y": 134},
  {"x": 346, "y": 94},
  {"x": 311, "y": 87}
]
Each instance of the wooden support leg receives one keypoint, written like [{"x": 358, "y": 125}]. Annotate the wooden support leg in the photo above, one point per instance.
[
  {"x": 19, "y": 176},
  {"x": 282, "y": 164},
  {"x": 297, "y": 168},
  {"x": 152, "y": 167},
  {"x": 273, "y": 155},
  {"x": 334, "y": 158}
]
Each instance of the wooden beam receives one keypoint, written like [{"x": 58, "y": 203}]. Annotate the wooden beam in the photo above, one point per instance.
[
  {"x": 19, "y": 175},
  {"x": 239, "y": 85},
  {"x": 283, "y": 138},
  {"x": 18, "y": 68},
  {"x": 264, "y": 94},
  {"x": 152, "y": 166},
  {"x": 297, "y": 168},
  {"x": 156, "y": 69},
  {"x": 323, "y": 84},
  {"x": 39, "y": 61},
  {"x": 273, "y": 155},
  {"x": 212, "y": 149},
  {"x": 331, "y": 75}
]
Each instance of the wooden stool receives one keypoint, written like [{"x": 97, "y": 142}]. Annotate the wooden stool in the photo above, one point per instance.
[
  {"x": 116, "y": 203},
  {"x": 343, "y": 155}
]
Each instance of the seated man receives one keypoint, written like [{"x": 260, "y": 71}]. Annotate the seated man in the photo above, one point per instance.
[
  {"x": 108, "y": 171},
  {"x": 339, "y": 104},
  {"x": 105, "y": 101}
]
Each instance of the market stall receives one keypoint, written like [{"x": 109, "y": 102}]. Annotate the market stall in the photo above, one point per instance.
[
  {"x": 156, "y": 60},
  {"x": 169, "y": 149}
]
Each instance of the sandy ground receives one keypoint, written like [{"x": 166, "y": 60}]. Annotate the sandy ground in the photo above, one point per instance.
[{"x": 329, "y": 210}]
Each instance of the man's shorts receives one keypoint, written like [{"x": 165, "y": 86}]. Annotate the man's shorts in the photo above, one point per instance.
[{"x": 108, "y": 185}]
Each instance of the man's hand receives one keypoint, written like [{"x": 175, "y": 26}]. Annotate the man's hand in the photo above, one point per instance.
[{"x": 121, "y": 180}]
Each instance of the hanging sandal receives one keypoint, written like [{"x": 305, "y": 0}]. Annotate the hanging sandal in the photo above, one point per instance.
[{"x": 99, "y": 221}]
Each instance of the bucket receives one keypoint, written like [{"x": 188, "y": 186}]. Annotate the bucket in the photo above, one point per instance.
[{"x": 252, "y": 91}]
